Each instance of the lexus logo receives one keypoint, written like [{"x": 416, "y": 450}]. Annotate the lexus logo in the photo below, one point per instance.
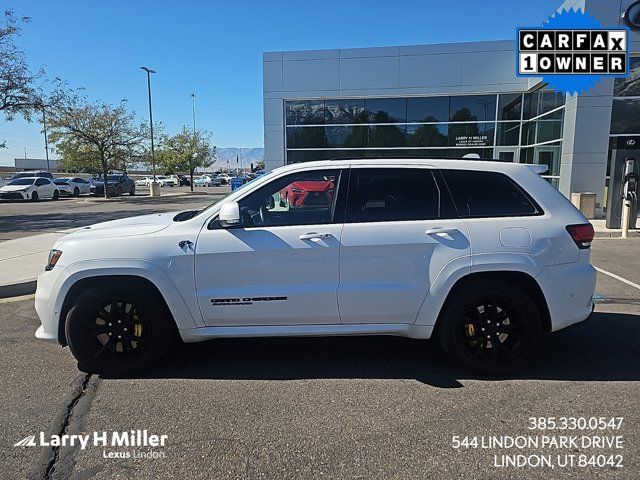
[
  {"x": 631, "y": 15},
  {"x": 631, "y": 142}
]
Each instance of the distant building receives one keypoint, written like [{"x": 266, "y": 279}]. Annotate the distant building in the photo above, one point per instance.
[{"x": 35, "y": 164}]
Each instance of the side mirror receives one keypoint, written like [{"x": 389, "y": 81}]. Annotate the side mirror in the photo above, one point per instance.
[{"x": 229, "y": 215}]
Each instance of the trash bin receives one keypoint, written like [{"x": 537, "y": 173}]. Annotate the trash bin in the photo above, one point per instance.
[{"x": 585, "y": 202}]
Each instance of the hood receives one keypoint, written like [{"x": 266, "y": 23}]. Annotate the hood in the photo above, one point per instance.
[
  {"x": 14, "y": 188},
  {"x": 125, "y": 227},
  {"x": 313, "y": 185}
]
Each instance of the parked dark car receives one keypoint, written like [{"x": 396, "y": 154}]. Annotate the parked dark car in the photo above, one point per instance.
[
  {"x": 184, "y": 181},
  {"x": 118, "y": 184}
]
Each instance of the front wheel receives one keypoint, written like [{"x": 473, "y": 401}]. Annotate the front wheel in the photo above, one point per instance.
[
  {"x": 493, "y": 328},
  {"x": 76, "y": 192},
  {"x": 34, "y": 196},
  {"x": 112, "y": 331},
  {"x": 132, "y": 192},
  {"x": 56, "y": 194}
]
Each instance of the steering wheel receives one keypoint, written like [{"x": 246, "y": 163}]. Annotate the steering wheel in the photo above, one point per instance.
[{"x": 264, "y": 215}]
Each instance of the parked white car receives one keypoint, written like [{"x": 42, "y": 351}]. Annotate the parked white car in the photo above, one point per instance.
[
  {"x": 206, "y": 181},
  {"x": 164, "y": 181},
  {"x": 144, "y": 181},
  {"x": 174, "y": 180},
  {"x": 75, "y": 186},
  {"x": 488, "y": 255},
  {"x": 29, "y": 188},
  {"x": 224, "y": 178}
]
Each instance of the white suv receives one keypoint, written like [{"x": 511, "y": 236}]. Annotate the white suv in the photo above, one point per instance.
[{"x": 486, "y": 256}]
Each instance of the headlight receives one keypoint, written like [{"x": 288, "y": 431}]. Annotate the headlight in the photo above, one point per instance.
[{"x": 54, "y": 256}]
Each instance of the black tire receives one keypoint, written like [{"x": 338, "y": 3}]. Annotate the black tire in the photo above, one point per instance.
[
  {"x": 132, "y": 192},
  {"x": 56, "y": 194},
  {"x": 478, "y": 312},
  {"x": 118, "y": 191},
  {"x": 76, "y": 192},
  {"x": 35, "y": 196},
  {"x": 145, "y": 334}
]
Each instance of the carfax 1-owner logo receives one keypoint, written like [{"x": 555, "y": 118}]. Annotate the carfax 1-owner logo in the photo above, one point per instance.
[{"x": 572, "y": 51}]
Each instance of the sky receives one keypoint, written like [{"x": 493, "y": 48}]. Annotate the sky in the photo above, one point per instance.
[{"x": 214, "y": 49}]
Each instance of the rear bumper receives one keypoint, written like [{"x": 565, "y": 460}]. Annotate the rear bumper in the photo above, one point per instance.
[{"x": 569, "y": 291}]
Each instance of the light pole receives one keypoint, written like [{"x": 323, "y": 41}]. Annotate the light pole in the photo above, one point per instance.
[
  {"x": 46, "y": 140},
  {"x": 193, "y": 98},
  {"x": 153, "y": 189}
]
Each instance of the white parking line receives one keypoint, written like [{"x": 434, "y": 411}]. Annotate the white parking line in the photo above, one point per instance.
[{"x": 618, "y": 277}]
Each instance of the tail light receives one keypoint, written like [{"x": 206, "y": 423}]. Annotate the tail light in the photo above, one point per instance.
[{"x": 582, "y": 234}]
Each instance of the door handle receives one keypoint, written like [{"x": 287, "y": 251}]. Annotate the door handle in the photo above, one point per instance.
[
  {"x": 443, "y": 230},
  {"x": 314, "y": 236}
]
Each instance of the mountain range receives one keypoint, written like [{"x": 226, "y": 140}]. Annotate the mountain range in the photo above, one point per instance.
[{"x": 245, "y": 155}]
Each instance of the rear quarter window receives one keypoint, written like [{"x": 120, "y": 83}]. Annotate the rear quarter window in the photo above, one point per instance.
[{"x": 479, "y": 194}]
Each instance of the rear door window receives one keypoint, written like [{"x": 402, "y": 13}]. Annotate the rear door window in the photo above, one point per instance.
[
  {"x": 392, "y": 195},
  {"x": 479, "y": 194}
]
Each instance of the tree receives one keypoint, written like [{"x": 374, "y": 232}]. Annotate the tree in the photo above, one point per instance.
[
  {"x": 96, "y": 137},
  {"x": 186, "y": 151},
  {"x": 16, "y": 81}
]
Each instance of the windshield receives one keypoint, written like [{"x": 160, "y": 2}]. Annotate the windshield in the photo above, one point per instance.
[
  {"x": 21, "y": 175},
  {"x": 23, "y": 181}
]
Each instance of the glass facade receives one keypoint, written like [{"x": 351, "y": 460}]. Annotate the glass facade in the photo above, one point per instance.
[
  {"x": 511, "y": 127},
  {"x": 625, "y": 110}
]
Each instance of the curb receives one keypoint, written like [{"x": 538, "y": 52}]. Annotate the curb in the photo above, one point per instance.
[
  {"x": 26, "y": 287},
  {"x": 616, "y": 234}
]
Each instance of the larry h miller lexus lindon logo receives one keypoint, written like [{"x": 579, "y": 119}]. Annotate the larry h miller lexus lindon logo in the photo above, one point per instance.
[{"x": 123, "y": 444}]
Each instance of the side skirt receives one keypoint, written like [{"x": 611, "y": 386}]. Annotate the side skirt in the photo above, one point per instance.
[{"x": 402, "y": 330}]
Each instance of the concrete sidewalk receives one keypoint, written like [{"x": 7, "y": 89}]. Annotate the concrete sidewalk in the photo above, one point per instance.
[{"x": 23, "y": 259}]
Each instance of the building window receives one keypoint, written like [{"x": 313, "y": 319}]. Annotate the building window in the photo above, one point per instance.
[
  {"x": 625, "y": 116},
  {"x": 524, "y": 127},
  {"x": 466, "y": 108},
  {"x": 305, "y": 112},
  {"x": 629, "y": 86}
]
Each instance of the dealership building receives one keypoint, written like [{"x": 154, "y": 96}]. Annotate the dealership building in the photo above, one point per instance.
[{"x": 448, "y": 100}]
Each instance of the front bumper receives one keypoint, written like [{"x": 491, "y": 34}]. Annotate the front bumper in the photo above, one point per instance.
[
  {"x": 14, "y": 195},
  {"x": 49, "y": 314}
]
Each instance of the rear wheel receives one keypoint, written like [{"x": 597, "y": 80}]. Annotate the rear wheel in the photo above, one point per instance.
[
  {"x": 118, "y": 191},
  {"x": 112, "y": 331},
  {"x": 132, "y": 192},
  {"x": 493, "y": 328}
]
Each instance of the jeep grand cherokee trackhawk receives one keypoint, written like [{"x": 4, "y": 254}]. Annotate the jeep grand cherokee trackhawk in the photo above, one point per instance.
[{"x": 484, "y": 256}]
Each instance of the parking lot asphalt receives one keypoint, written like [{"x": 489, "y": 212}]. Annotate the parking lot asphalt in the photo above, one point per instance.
[
  {"x": 378, "y": 407},
  {"x": 23, "y": 218}
]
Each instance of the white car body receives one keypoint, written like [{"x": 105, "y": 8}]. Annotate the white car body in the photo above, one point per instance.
[
  {"x": 144, "y": 181},
  {"x": 164, "y": 181},
  {"x": 206, "y": 181},
  {"x": 44, "y": 188},
  {"x": 385, "y": 278},
  {"x": 224, "y": 178},
  {"x": 73, "y": 186}
]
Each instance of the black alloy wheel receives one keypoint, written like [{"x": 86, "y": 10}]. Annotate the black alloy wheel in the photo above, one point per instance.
[
  {"x": 493, "y": 329},
  {"x": 111, "y": 332},
  {"x": 56, "y": 194},
  {"x": 34, "y": 196},
  {"x": 76, "y": 192}
]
